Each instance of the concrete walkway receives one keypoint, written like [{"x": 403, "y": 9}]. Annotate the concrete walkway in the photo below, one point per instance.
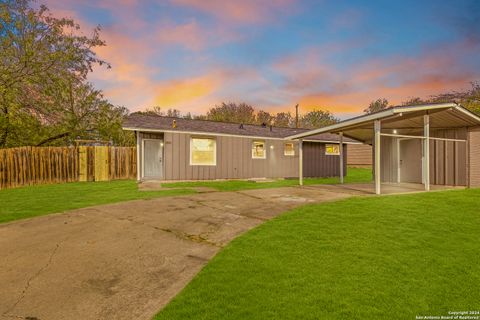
[{"x": 127, "y": 260}]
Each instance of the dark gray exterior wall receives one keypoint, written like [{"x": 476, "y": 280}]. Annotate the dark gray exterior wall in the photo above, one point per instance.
[
  {"x": 317, "y": 164},
  {"x": 234, "y": 159}
]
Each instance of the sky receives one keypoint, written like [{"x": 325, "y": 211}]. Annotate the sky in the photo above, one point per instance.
[{"x": 330, "y": 55}]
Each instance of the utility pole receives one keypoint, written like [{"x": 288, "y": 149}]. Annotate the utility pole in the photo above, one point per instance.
[{"x": 296, "y": 116}]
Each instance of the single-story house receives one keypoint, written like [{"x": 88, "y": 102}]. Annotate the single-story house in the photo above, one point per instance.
[
  {"x": 435, "y": 144},
  {"x": 184, "y": 149}
]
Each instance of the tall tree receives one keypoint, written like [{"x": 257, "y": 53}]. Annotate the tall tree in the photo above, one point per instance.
[
  {"x": 317, "y": 119},
  {"x": 377, "y": 105},
  {"x": 74, "y": 110},
  {"x": 172, "y": 112},
  {"x": 232, "y": 112},
  {"x": 414, "y": 101},
  {"x": 263, "y": 117},
  {"x": 283, "y": 119},
  {"x": 469, "y": 98},
  {"x": 44, "y": 62},
  {"x": 155, "y": 111}
]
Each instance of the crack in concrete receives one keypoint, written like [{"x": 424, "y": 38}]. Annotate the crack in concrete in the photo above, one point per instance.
[
  {"x": 27, "y": 286},
  {"x": 199, "y": 202},
  {"x": 179, "y": 234},
  {"x": 249, "y": 195},
  {"x": 192, "y": 237}
]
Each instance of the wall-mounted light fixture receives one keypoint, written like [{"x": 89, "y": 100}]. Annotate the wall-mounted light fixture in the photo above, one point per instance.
[
  {"x": 271, "y": 147},
  {"x": 395, "y": 131}
]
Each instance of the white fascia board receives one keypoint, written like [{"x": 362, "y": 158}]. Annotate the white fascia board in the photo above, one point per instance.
[
  {"x": 406, "y": 109},
  {"x": 468, "y": 113},
  {"x": 217, "y": 134}
]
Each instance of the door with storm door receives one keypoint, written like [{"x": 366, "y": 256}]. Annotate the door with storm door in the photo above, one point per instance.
[{"x": 152, "y": 159}]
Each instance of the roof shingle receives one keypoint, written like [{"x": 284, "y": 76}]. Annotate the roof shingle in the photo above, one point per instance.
[{"x": 158, "y": 123}]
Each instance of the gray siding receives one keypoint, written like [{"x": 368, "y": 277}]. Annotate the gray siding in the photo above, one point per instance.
[
  {"x": 317, "y": 164},
  {"x": 234, "y": 159}
]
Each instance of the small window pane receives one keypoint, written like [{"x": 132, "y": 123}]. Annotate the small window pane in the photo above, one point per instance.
[
  {"x": 332, "y": 149},
  {"x": 258, "y": 150},
  {"x": 289, "y": 149},
  {"x": 202, "y": 151}
]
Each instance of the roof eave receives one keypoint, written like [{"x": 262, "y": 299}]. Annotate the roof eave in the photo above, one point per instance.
[
  {"x": 209, "y": 133},
  {"x": 383, "y": 114}
]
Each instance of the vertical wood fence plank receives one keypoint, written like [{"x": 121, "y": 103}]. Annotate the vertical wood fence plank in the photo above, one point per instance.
[{"x": 40, "y": 165}]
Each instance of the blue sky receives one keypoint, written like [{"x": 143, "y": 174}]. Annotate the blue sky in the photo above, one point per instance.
[{"x": 331, "y": 55}]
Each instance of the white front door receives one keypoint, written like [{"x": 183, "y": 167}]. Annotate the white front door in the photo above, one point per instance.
[{"x": 153, "y": 159}]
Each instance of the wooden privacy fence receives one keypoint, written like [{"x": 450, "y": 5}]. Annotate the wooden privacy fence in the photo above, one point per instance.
[{"x": 39, "y": 165}]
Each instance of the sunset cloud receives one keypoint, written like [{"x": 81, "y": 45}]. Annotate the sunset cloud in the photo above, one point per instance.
[
  {"x": 182, "y": 92},
  {"x": 246, "y": 11},
  {"x": 192, "y": 54}
]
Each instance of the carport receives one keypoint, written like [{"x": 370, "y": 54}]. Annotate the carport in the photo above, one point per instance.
[{"x": 429, "y": 145}]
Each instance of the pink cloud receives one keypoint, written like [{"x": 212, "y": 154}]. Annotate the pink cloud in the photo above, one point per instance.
[
  {"x": 191, "y": 36},
  {"x": 315, "y": 83},
  {"x": 245, "y": 11},
  {"x": 308, "y": 77}
]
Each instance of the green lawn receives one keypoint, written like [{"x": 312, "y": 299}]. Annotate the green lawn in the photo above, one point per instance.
[
  {"x": 39, "y": 200},
  {"x": 354, "y": 175},
  {"x": 391, "y": 257}
]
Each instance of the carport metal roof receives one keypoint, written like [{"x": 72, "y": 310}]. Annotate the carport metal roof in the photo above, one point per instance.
[
  {"x": 404, "y": 120},
  {"x": 412, "y": 122}
]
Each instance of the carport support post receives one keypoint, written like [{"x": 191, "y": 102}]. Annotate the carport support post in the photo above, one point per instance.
[
  {"x": 426, "y": 151},
  {"x": 341, "y": 157},
  {"x": 377, "y": 127},
  {"x": 138, "y": 155},
  {"x": 300, "y": 162}
]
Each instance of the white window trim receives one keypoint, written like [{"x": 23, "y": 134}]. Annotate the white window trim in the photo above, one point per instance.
[
  {"x": 214, "y": 152},
  {"x": 284, "y": 149},
  {"x": 264, "y": 149},
  {"x": 332, "y": 154}
]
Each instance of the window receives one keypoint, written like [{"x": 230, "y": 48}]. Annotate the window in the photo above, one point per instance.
[
  {"x": 258, "y": 150},
  {"x": 289, "y": 149},
  {"x": 332, "y": 150},
  {"x": 203, "y": 152}
]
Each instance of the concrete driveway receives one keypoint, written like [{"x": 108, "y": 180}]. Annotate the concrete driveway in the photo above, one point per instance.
[{"x": 127, "y": 260}]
